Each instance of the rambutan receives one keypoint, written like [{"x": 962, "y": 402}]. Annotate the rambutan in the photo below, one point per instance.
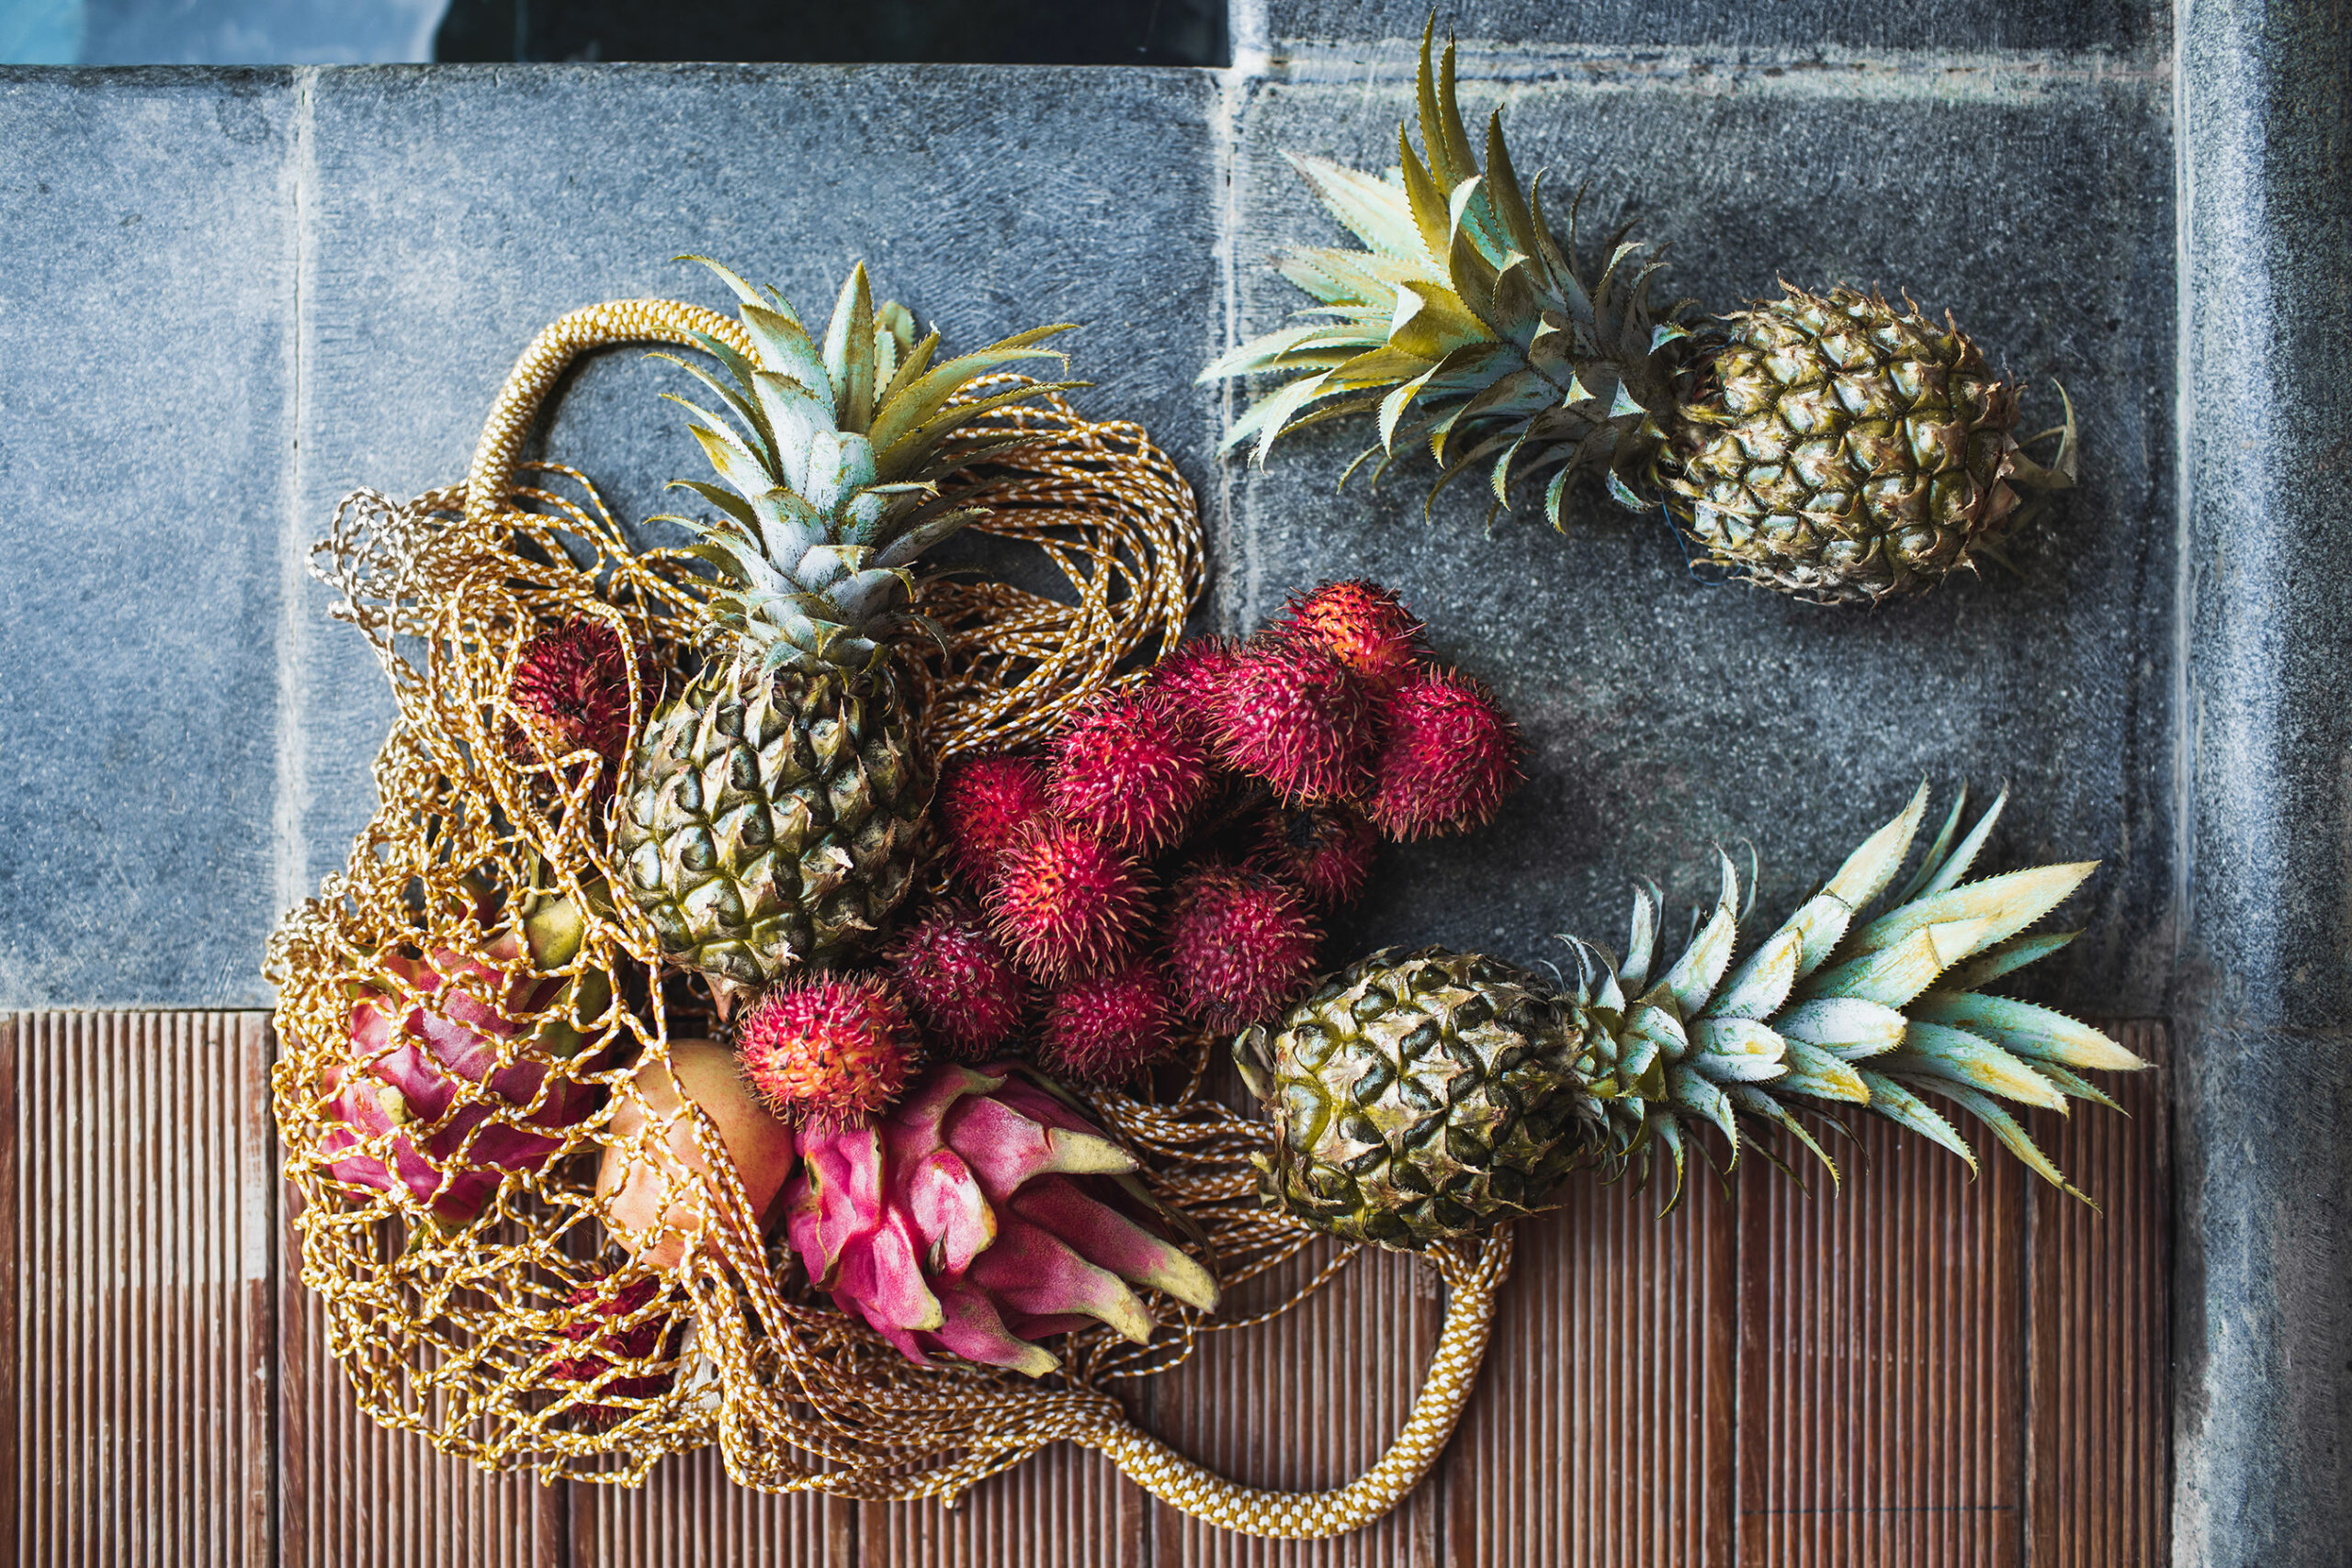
[
  {"x": 828, "y": 1051},
  {"x": 1451, "y": 755},
  {"x": 1361, "y": 624},
  {"x": 573, "y": 686},
  {"x": 1066, "y": 903},
  {"x": 600, "y": 1306},
  {"x": 986, "y": 804},
  {"x": 1241, "y": 945},
  {"x": 1131, "y": 771},
  {"x": 1102, "y": 1031},
  {"x": 1190, "y": 680},
  {"x": 1296, "y": 717},
  {"x": 960, "y": 983},
  {"x": 1325, "y": 849}
]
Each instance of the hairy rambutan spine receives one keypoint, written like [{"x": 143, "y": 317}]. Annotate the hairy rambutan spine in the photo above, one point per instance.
[
  {"x": 1105, "y": 1030},
  {"x": 1241, "y": 945},
  {"x": 828, "y": 1051},
  {"x": 1296, "y": 719},
  {"x": 1452, "y": 754},
  {"x": 575, "y": 686},
  {"x": 1326, "y": 849},
  {"x": 1066, "y": 903},
  {"x": 1130, "y": 771},
  {"x": 1191, "y": 679},
  {"x": 960, "y": 982},
  {"x": 1361, "y": 624},
  {"x": 986, "y": 804},
  {"x": 600, "y": 1304}
]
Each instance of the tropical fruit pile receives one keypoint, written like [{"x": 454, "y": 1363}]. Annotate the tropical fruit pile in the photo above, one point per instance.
[{"x": 1169, "y": 864}]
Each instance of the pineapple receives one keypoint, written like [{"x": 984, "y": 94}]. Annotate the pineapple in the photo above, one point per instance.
[
  {"x": 1829, "y": 445},
  {"x": 1421, "y": 1096},
  {"x": 773, "y": 805}
]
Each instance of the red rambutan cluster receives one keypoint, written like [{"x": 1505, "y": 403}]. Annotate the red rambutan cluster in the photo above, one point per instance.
[{"x": 1252, "y": 781}]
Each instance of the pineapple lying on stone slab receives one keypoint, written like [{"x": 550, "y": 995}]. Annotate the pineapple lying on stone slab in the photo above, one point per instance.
[
  {"x": 773, "y": 805},
  {"x": 1423, "y": 1095},
  {"x": 1830, "y": 444}
]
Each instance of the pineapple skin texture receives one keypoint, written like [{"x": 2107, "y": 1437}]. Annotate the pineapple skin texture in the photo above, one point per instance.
[
  {"x": 772, "y": 819},
  {"x": 1853, "y": 449},
  {"x": 1425, "y": 1096}
]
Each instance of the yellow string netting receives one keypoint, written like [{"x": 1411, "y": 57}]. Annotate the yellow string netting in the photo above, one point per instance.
[{"x": 523, "y": 1335}]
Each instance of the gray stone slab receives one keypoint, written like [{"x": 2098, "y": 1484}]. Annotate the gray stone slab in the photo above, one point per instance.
[
  {"x": 2262, "y": 1407},
  {"x": 1666, "y": 716},
  {"x": 452, "y": 212},
  {"x": 1807, "y": 27},
  {"x": 145, "y": 426}
]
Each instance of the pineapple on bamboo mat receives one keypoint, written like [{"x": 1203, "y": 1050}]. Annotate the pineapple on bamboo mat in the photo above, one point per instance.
[
  {"x": 1825, "y": 445},
  {"x": 669, "y": 1067}
]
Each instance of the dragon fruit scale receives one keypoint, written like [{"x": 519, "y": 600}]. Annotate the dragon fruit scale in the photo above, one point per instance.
[
  {"x": 970, "y": 1219},
  {"x": 427, "y": 1104}
]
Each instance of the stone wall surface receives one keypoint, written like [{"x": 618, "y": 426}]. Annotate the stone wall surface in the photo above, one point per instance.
[{"x": 243, "y": 294}]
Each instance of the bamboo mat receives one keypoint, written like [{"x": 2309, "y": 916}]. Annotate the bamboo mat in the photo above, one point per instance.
[{"x": 1918, "y": 1370}]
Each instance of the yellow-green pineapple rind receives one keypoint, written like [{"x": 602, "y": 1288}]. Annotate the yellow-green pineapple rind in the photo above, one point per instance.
[
  {"x": 1431, "y": 1094},
  {"x": 772, "y": 817}
]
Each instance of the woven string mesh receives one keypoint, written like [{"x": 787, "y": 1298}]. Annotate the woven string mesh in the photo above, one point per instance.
[{"x": 471, "y": 1284}]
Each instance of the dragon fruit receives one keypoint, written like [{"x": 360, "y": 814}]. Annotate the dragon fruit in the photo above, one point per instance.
[
  {"x": 972, "y": 1219},
  {"x": 425, "y": 1107}
]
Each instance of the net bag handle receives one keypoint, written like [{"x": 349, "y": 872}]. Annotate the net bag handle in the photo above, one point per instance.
[
  {"x": 490, "y": 480},
  {"x": 1159, "y": 1469},
  {"x": 1472, "y": 1278}
]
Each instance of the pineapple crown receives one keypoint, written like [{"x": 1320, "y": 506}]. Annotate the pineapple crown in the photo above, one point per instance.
[
  {"x": 1466, "y": 324},
  {"x": 1870, "y": 1016},
  {"x": 831, "y": 470}
]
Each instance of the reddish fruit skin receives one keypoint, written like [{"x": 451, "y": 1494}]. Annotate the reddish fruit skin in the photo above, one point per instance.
[
  {"x": 1104, "y": 1031},
  {"x": 1295, "y": 717},
  {"x": 1326, "y": 850},
  {"x": 1241, "y": 945},
  {"x": 1191, "y": 679},
  {"x": 1451, "y": 755},
  {"x": 1066, "y": 903},
  {"x": 829, "y": 1051},
  {"x": 961, "y": 984},
  {"x": 1131, "y": 772},
  {"x": 986, "y": 805},
  {"x": 602, "y": 1304},
  {"x": 1361, "y": 624},
  {"x": 577, "y": 681}
]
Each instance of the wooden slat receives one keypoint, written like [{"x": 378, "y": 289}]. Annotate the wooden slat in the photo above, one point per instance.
[
  {"x": 1601, "y": 1432},
  {"x": 1064, "y": 1509},
  {"x": 688, "y": 1512},
  {"x": 1918, "y": 1370},
  {"x": 138, "y": 1210},
  {"x": 1882, "y": 1364},
  {"x": 2099, "y": 1434}
]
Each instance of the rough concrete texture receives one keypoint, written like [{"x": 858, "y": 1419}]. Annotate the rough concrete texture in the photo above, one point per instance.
[
  {"x": 146, "y": 423},
  {"x": 1665, "y": 714},
  {"x": 1810, "y": 28},
  {"x": 2263, "y": 1264}
]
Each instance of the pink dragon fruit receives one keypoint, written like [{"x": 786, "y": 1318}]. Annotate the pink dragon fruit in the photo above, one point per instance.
[
  {"x": 970, "y": 1219},
  {"x": 430, "y": 1080}
]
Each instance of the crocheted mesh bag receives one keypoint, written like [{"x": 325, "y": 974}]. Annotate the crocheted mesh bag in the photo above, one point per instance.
[{"x": 466, "y": 1024}]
